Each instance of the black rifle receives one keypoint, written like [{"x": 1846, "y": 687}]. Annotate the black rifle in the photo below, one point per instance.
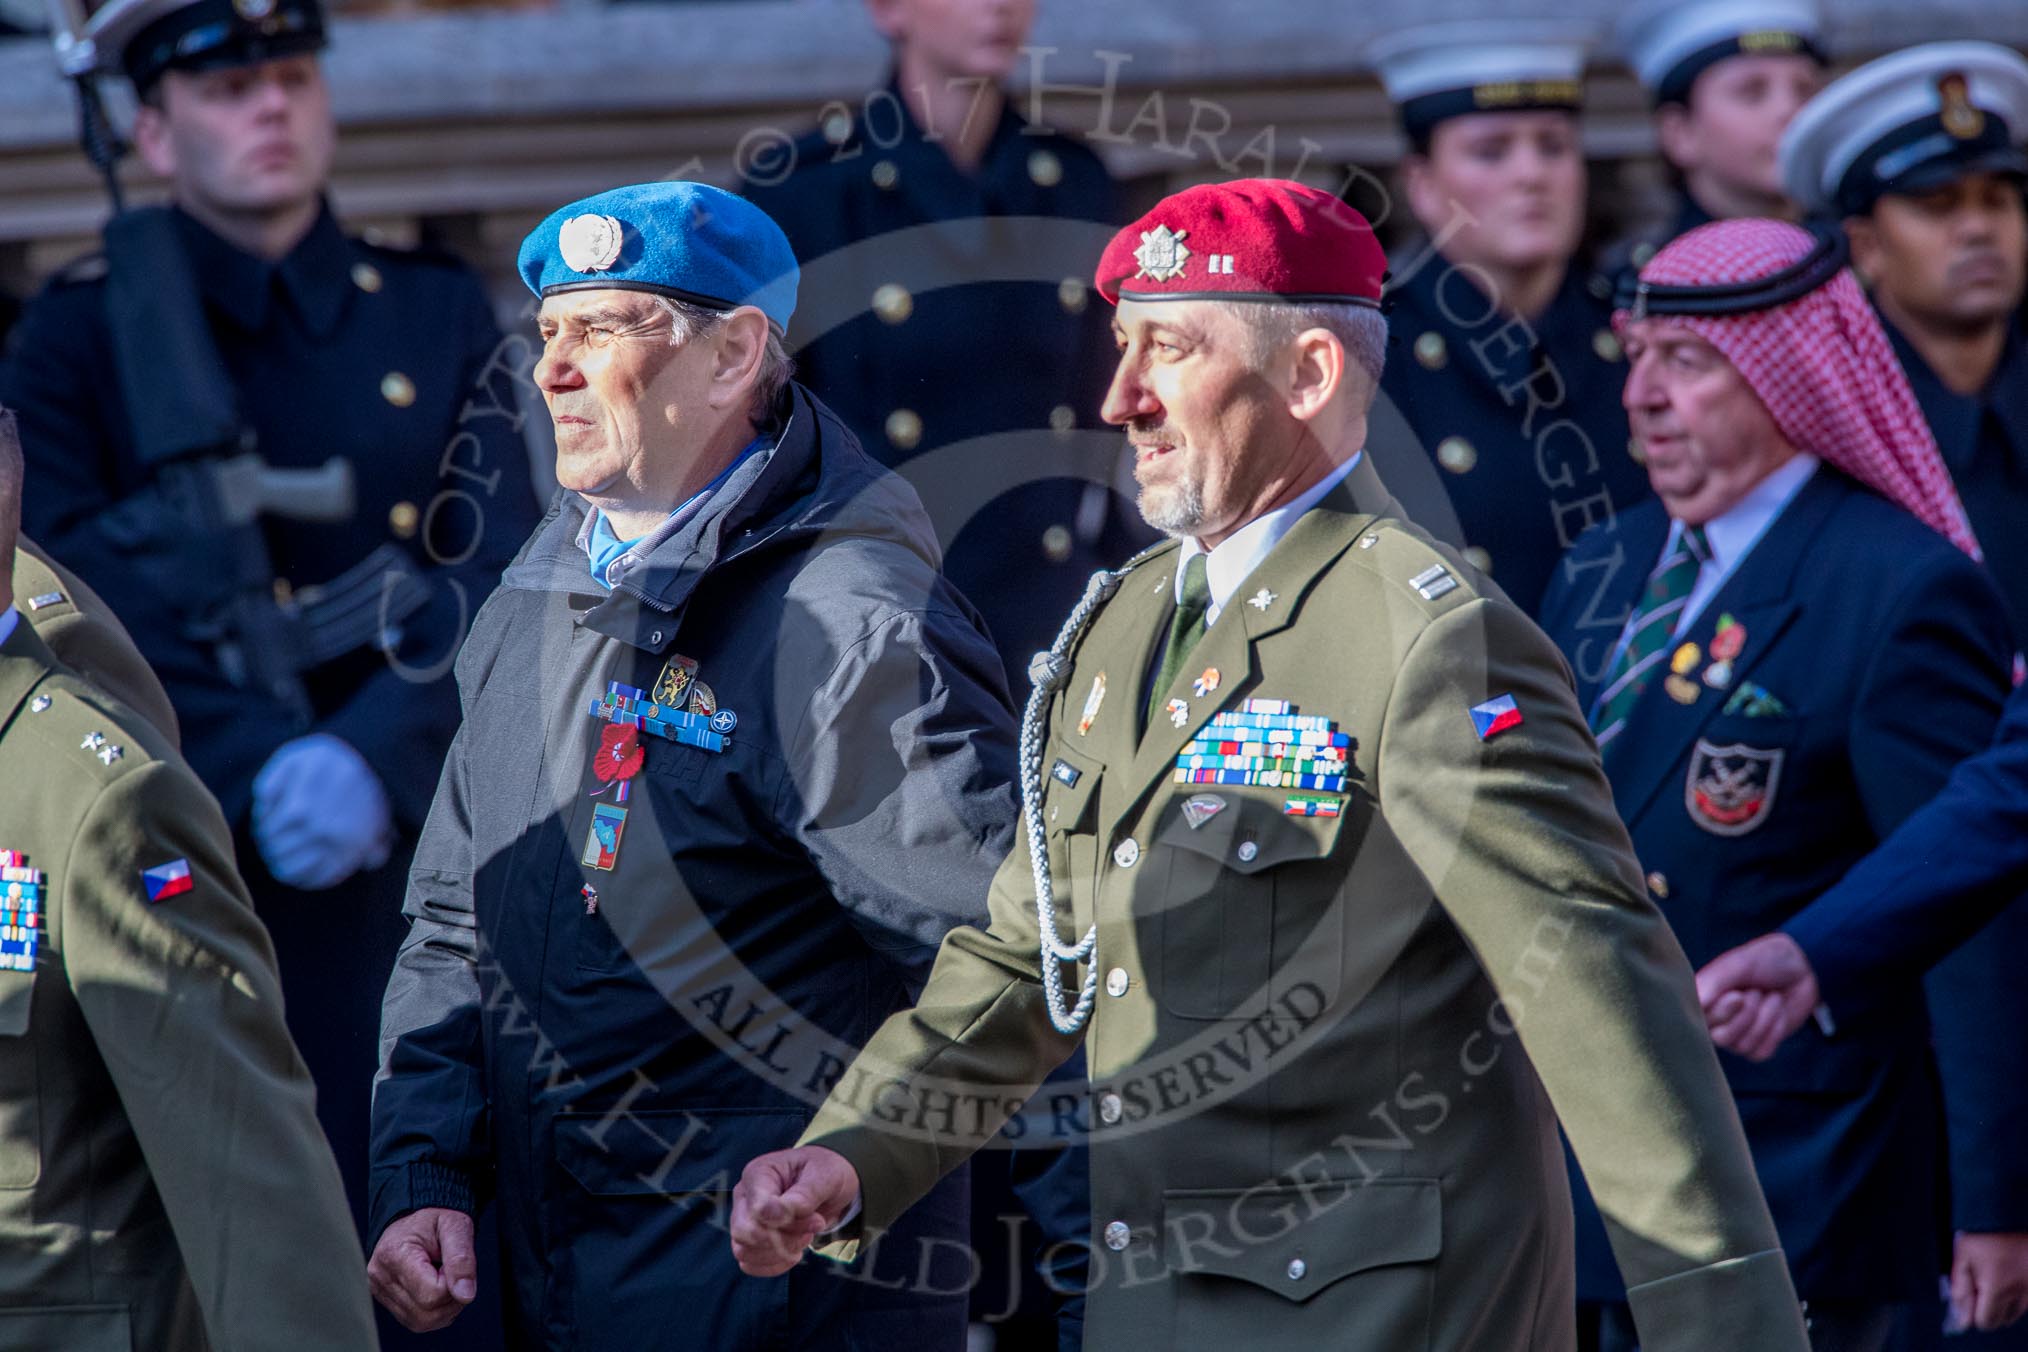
[{"x": 198, "y": 524}]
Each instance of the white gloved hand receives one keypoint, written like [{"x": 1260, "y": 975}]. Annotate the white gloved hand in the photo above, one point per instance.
[{"x": 320, "y": 814}]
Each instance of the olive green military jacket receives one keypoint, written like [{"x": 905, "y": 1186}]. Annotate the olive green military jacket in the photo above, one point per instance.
[
  {"x": 1315, "y": 1123},
  {"x": 163, "y": 1182}
]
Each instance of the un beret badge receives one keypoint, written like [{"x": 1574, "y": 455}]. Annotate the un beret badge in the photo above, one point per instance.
[{"x": 590, "y": 243}]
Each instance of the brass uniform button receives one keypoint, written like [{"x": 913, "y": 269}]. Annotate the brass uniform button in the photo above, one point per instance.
[
  {"x": 893, "y": 303},
  {"x": 904, "y": 428},
  {"x": 1457, "y": 455},
  {"x": 886, "y": 174},
  {"x": 1479, "y": 559},
  {"x": 397, "y": 389},
  {"x": 402, "y": 519},
  {"x": 366, "y": 277},
  {"x": 1432, "y": 351},
  {"x": 1063, "y": 418},
  {"x": 1056, "y": 542},
  {"x": 1659, "y": 885},
  {"x": 837, "y": 129},
  {"x": 1045, "y": 168},
  {"x": 1070, "y": 294},
  {"x": 1643, "y": 255},
  {"x": 1607, "y": 346}
]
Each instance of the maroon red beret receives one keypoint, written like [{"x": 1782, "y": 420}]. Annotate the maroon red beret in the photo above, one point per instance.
[{"x": 1250, "y": 239}]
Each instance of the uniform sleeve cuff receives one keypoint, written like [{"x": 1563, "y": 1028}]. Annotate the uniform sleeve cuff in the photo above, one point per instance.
[
  {"x": 418, "y": 1184},
  {"x": 1742, "y": 1304}
]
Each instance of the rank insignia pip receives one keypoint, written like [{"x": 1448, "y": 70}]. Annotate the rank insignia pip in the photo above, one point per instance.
[
  {"x": 1730, "y": 790},
  {"x": 20, "y": 912}
]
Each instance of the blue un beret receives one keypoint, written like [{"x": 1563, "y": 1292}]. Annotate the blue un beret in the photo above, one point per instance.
[{"x": 686, "y": 241}]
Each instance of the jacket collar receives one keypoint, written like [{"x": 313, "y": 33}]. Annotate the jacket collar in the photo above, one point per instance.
[
  {"x": 313, "y": 278},
  {"x": 1763, "y": 595},
  {"x": 815, "y": 481},
  {"x": 1267, "y": 603}
]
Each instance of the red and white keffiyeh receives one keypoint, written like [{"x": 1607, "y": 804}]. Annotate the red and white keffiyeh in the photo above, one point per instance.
[{"x": 1820, "y": 363}]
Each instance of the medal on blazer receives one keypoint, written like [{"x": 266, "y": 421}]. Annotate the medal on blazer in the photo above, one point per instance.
[
  {"x": 20, "y": 912},
  {"x": 1091, "y": 703},
  {"x": 703, "y": 725},
  {"x": 674, "y": 683}
]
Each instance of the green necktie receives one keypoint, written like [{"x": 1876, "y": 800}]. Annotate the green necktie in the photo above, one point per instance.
[
  {"x": 1186, "y": 626},
  {"x": 1669, "y": 588}
]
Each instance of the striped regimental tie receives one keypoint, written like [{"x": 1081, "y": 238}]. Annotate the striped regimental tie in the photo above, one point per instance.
[{"x": 1647, "y": 645}]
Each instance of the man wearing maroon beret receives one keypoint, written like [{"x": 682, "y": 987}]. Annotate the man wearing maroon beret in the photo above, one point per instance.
[{"x": 1323, "y": 868}]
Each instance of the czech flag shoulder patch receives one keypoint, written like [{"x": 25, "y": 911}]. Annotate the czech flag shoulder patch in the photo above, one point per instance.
[
  {"x": 167, "y": 880},
  {"x": 1495, "y": 716}
]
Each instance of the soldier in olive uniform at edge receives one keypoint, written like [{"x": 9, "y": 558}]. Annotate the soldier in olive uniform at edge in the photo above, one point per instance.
[
  {"x": 1318, "y": 798},
  {"x": 333, "y": 349},
  {"x": 1506, "y": 366},
  {"x": 163, "y": 1182}
]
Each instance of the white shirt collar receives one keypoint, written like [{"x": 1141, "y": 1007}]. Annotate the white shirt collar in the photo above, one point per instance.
[
  {"x": 1734, "y": 532},
  {"x": 1228, "y": 566},
  {"x": 8, "y": 619}
]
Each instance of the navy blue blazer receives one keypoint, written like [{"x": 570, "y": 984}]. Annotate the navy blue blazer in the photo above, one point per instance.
[
  {"x": 1945, "y": 873},
  {"x": 1881, "y": 656}
]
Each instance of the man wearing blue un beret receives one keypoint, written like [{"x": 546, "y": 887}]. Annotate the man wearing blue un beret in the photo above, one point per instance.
[{"x": 734, "y": 758}]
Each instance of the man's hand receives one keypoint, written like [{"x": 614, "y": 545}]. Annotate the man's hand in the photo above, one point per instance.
[
  {"x": 1757, "y": 994},
  {"x": 423, "y": 1269},
  {"x": 1989, "y": 1280},
  {"x": 785, "y": 1200}
]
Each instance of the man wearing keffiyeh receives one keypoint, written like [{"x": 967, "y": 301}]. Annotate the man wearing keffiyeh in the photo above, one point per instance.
[{"x": 1782, "y": 658}]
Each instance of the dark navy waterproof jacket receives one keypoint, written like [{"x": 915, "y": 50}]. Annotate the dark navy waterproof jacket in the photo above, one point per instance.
[
  {"x": 603, "y": 1068},
  {"x": 1889, "y": 652}
]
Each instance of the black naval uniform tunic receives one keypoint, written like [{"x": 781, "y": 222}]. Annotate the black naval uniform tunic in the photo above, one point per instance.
[
  {"x": 1523, "y": 419},
  {"x": 939, "y": 306},
  {"x": 1984, "y": 440},
  {"x": 391, "y": 360}
]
